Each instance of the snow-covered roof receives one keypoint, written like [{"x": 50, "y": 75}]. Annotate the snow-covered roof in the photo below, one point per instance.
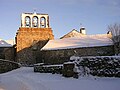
[
  {"x": 10, "y": 41},
  {"x": 4, "y": 44},
  {"x": 77, "y": 42},
  {"x": 73, "y": 33}
]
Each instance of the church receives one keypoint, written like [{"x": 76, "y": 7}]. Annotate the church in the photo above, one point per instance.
[
  {"x": 33, "y": 34},
  {"x": 35, "y": 43}
]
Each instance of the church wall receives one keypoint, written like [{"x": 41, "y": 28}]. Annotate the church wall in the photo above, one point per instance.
[
  {"x": 30, "y": 39},
  {"x": 26, "y": 37},
  {"x": 2, "y": 54},
  {"x": 10, "y": 53},
  {"x": 60, "y": 56},
  {"x": 7, "y": 53}
]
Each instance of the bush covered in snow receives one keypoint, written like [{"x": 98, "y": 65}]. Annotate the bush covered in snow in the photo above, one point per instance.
[
  {"x": 100, "y": 65},
  {"x": 48, "y": 68}
]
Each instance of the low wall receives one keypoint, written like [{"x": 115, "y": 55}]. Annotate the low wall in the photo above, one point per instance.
[
  {"x": 6, "y": 65},
  {"x": 105, "y": 66},
  {"x": 63, "y": 55}
]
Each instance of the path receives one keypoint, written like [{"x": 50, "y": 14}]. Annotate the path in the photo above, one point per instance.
[
  {"x": 25, "y": 78},
  {"x": 19, "y": 80}
]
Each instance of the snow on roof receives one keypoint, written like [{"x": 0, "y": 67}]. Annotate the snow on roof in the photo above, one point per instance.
[
  {"x": 73, "y": 33},
  {"x": 10, "y": 41},
  {"x": 77, "y": 42},
  {"x": 4, "y": 44}
]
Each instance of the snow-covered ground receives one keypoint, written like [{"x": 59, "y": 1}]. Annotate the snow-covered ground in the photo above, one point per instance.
[{"x": 25, "y": 79}]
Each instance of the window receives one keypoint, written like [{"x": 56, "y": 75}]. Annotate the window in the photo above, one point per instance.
[
  {"x": 27, "y": 21},
  {"x": 42, "y": 22},
  {"x": 35, "y": 21}
]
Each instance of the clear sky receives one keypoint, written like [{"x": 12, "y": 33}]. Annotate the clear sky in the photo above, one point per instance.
[{"x": 65, "y": 15}]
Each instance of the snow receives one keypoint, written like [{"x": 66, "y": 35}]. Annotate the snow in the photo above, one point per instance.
[
  {"x": 10, "y": 41},
  {"x": 4, "y": 44},
  {"x": 39, "y": 64},
  {"x": 10, "y": 61},
  {"x": 59, "y": 65},
  {"x": 73, "y": 33},
  {"x": 77, "y": 42},
  {"x": 68, "y": 62},
  {"x": 25, "y": 79}
]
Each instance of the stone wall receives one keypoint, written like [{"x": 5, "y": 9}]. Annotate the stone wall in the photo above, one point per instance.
[
  {"x": 6, "y": 65},
  {"x": 116, "y": 41},
  {"x": 2, "y": 54},
  {"x": 7, "y": 53},
  {"x": 29, "y": 40},
  {"x": 27, "y": 37},
  {"x": 10, "y": 53},
  {"x": 60, "y": 56},
  {"x": 105, "y": 66}
]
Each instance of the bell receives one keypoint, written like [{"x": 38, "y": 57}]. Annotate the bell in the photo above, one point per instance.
[{"x": 42, "y": 22}]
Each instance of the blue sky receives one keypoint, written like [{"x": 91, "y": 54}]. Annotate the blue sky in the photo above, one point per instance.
[{"x": 65, "y": 15}]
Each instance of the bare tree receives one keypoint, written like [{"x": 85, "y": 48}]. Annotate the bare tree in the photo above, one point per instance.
[{"x": 115, "y": 31}]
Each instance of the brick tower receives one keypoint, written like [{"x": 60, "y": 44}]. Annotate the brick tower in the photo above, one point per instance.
[{"x": 32, "y": 36}]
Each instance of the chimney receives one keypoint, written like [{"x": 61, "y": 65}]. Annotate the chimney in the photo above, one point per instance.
[
  {"x": 82, "y": 30},
  {"x": 109, "y": 34}
]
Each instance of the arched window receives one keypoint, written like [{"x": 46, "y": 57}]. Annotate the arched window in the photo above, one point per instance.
[
  {"x": 27, "y": 21},
  {"x": 42, "y": 22},
  {"x": 35, "y": 21}
]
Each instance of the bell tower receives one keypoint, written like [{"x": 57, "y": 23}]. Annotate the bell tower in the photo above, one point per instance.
[
  {"x": 32, "y": 35},
  {"x": 35, "y": 20}
]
